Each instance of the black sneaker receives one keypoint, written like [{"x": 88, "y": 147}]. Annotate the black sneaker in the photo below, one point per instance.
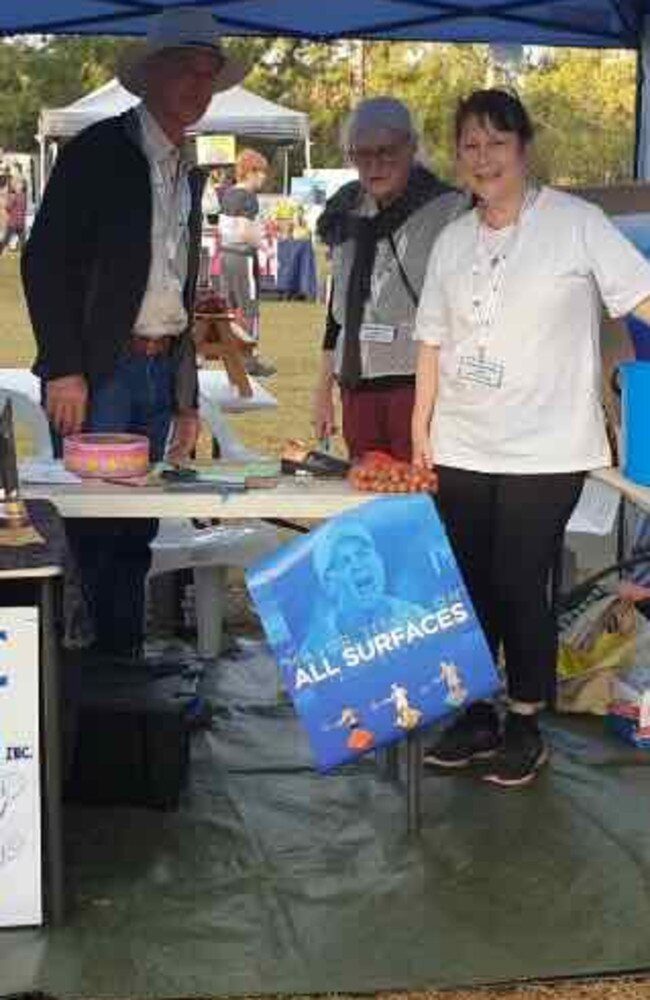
[
  {"x": 475, "y": 735},
  {"x": 522, "y": 755},
  {"x": 259, "y": 369}
]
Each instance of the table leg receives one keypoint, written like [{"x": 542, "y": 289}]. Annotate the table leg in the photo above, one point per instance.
[
  {"x": 51, "y": 743},
  {"x": 621, "y": 535},
  {"x": 414, "y": 782},
  {"x": 209, "y": 597},
  {"x": 388, "y": 762}
]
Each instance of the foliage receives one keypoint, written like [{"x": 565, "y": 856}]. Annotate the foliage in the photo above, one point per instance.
[
  {"x": 583, "y": 105},
  {"x": 583, "y": 102},
  {"x": 430, "y": 79},
  {"x": 315, "y": 78},
  {"x": 49, "y": 74}
]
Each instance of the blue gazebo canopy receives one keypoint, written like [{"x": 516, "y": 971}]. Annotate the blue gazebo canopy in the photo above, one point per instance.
[{"x": 594, "y": 23}]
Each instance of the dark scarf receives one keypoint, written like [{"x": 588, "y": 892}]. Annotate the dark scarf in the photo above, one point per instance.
[{"x": 340, "y": 222}]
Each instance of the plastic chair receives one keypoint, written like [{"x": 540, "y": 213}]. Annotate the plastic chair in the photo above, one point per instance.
[
  {"x": 29, "y": 414},
  {"x": 229, "y": 445},
  {"x": 208, "y": 552},
  {"x": 22, "y": 388}
]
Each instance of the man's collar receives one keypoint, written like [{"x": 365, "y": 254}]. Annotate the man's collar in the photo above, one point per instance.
[{"x": 156, "y": 144}]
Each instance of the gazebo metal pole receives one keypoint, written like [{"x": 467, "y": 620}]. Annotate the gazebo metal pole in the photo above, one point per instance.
[
  {"x": 285, "y": 181},
  {"x": 642, "y": 109}
]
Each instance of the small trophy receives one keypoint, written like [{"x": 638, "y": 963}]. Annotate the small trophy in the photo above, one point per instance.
[{"x": 15, "y": 525}]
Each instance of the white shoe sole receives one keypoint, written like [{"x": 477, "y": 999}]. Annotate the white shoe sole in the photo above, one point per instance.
[
  {"x": 456, "y": 765},
  {"x": 495, "y": 779}
]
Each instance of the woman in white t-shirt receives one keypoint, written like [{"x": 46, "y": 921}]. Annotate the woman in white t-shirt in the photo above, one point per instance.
[{"x": 508, "y": 405}]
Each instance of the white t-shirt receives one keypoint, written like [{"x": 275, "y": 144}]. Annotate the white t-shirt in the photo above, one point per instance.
[{"x": 542, "y": 340}]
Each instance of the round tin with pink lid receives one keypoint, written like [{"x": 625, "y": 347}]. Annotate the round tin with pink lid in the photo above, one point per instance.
[{"x": 106, "y": 456}]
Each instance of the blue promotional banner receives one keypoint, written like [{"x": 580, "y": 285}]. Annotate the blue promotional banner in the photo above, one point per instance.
[{"x": 372, "y": 627}]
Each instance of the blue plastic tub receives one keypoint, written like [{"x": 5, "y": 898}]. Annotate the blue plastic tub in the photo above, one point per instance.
[{"x": 635, "y": 420}]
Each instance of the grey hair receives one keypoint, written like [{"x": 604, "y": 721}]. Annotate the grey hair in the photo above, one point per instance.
[{"x": 376, "y": 113}]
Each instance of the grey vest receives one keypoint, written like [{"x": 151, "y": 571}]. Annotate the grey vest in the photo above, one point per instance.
[{"x": 390, "y": 302}]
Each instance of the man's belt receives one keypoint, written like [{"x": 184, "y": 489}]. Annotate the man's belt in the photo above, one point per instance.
[{"x": 151, "y": 347}]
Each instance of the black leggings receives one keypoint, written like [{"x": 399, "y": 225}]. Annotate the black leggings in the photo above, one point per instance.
[{"x": 506, "y": 531}]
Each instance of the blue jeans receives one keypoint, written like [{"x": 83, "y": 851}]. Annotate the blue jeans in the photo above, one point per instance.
[{"x": 113, "y": 555}]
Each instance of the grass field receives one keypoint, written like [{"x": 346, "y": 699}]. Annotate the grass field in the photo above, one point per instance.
[
  {"x": 291, "y": 335},
  {"x": 16, "y": 341}
]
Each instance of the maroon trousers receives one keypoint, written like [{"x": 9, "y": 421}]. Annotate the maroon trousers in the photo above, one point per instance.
[{"x": 378, "y": 419}]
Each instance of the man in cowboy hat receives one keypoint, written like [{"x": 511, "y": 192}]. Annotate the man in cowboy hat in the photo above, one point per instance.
[{"x": 109, "y": 275}]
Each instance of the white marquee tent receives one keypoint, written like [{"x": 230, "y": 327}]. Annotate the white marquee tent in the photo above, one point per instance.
[{"x": 233, "y": 112}]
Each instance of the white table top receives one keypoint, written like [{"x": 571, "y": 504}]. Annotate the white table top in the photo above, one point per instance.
[
  {"x": 290, "y": 500},
  {"x": 214, "y": 386},
  {"x": 35, "y": 572},
  {"x": 639, "y": 495}
]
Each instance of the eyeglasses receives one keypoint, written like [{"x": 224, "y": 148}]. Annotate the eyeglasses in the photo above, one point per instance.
[{"x": 385, "y": 156}]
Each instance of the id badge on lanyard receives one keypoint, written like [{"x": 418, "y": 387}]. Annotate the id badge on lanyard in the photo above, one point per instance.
[
  {"x": 480, "y": 371},
  {"x": 377, "y": 333},
  {"x": 481, "y": 367},
  {"x": 488, "y": 280}
]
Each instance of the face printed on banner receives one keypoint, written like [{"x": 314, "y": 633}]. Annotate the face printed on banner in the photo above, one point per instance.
[
  {"x": 384, "y": 159},
  {"x": 492, "y": 164},
  {"x": 355, "y": 576}
]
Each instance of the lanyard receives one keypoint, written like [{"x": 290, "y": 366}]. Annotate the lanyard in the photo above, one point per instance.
[{"x": 487, "y": 295}]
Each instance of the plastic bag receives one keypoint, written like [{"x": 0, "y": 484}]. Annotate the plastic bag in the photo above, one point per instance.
[{"x": 600, "y": 637}]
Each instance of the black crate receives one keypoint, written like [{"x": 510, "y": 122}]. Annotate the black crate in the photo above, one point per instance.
[{"x": 132, "y": 740}]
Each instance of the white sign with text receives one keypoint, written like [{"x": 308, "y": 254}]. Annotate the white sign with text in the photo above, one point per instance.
[{"x": 20, "y": 799}]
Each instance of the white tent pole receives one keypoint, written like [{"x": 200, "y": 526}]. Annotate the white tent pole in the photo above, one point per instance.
[
  {"x": 307, "y": 152},
  {"x": 642, "y": 171},
  {"x": 42, "y": 164}
]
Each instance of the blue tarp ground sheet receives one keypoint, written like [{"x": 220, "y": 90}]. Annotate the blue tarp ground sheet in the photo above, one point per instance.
[{"x": 272, "y": 879}]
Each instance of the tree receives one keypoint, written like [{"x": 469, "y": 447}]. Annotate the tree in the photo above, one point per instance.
[
  {"x": 52, "y": 73},
  {"x": 583, "y": 105},
  {"x": 583, "y": 102},
  {"x": 430, "y": 79}
]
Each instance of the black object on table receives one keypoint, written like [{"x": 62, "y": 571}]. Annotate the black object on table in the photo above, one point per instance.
[{"x": 28, "y": 575}]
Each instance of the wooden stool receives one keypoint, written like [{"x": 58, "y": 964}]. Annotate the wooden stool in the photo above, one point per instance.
[{"x": 216, "y": 338}]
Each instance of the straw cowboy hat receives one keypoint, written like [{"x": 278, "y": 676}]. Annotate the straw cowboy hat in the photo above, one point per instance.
[{"x": 179, "y": 28}]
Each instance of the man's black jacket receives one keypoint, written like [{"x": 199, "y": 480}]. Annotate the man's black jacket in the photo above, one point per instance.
[{"x": 86, "y": 263}]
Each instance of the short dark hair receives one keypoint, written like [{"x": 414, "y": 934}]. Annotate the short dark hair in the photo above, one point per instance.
[{"x": 503, "y": 110}]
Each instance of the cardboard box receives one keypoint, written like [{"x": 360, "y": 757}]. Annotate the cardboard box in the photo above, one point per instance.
[
  {"x": 21, "y": 901},
  {"x": 618, "y": 199}
]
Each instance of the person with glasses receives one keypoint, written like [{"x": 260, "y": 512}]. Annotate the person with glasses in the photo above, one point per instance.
[{"x": 380, "y": 230}]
